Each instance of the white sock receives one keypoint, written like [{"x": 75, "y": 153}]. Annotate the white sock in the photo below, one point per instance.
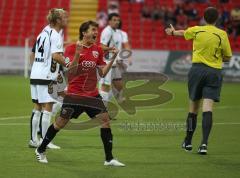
[
  {"x": 35, "y": 125},
  {"x": 105, "y": 97},
  {"x": 46, "y": 120},
  {"x": 110, "y": 95},
  {"x": 115, "y": 92},
  {"x": 118, "y": 94},
  {"x": 56, "y": 107}
]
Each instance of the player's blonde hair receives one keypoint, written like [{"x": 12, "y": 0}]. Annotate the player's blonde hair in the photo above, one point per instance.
[{"x": 54, "y": 14}]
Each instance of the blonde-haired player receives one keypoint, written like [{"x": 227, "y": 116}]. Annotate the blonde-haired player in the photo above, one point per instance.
[{"x": 47, "y": 60}]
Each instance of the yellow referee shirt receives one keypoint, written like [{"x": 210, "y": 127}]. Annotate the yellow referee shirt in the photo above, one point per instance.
[{"x": 210, "y": 44}]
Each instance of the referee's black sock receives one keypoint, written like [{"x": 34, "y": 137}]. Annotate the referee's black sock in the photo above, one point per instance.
[
  {"x": 191, "y": 124},
  {"x": 107, "y": 138},
  {"x": 206, "y": 126},
  {"x": 51, "y": 133}
]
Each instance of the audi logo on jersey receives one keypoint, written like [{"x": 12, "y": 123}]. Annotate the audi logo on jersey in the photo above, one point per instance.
[{"x": 88, "y": 64}]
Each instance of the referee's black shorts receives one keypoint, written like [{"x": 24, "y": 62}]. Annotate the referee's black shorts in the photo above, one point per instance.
[
  {"x": 204, "y": 82},
  {"x": 74, "y": 106}
]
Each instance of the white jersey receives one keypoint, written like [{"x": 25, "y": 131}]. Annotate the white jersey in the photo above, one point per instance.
[
  {"x": 124, "y": 36},
  {"x": 111, "y": 38},
  {"x": 44, "y": 68}
]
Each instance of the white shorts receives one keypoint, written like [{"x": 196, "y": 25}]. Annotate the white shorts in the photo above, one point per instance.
[
  {"x": 118, "y": 70},
  {"x": 116, "y": 73},
  {"x": 43, "y": 93}
]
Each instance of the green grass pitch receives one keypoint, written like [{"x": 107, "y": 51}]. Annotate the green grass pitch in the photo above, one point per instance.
[{"x": 147, "y": 152}]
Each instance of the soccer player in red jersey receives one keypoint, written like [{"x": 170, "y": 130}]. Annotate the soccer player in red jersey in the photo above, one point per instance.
[{"x": 86, "y": 62}]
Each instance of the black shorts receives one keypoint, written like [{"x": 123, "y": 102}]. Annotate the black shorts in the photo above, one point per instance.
[
  {"x": 204, "y": 82},
  {"x": 74, "y": 106}
]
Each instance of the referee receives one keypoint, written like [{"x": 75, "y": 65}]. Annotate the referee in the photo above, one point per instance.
[{"x": 210, "y": 49}]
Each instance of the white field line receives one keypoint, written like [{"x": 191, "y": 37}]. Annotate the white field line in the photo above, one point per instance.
[
  {"x": 130, "y": 123},
  {"x": 13, "y": 117},
  {"x": 14, "y": 124},
  {"x": 181, "y": 109},
  {"x": 138, "y": 109},
  {"x": 227, "y": 123}
]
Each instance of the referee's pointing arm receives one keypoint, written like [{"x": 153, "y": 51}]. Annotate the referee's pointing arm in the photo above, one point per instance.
[{"x": 171, "y": 31}]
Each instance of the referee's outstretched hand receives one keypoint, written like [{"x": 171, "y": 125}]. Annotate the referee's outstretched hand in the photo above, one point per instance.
[{"x": 170, "y": 30}]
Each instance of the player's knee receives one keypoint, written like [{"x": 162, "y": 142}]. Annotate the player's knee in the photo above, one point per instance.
[
  {"x": 105, "y": 120},
  {"x": 105, "y": 125},
  {"x": 37, "y": 106},
  {"x": 118, "y": 87},
  {"x": 48, "y": 107},
  {"x": 118, "y": 84},
  {"x": 207, "y": 105},
  {"x": 60, "y": 123},
  {"x": 193, "y": 110},
  {"x": 194, "y": 106}
]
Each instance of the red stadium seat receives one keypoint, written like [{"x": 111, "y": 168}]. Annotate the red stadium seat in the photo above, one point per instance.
[
  {"x": 124, "y": 6},
  {"x": 136, "y": 44},
  {"x": 13, "y": 41},
  {"x": 28, "y": 14},
  {"x": 27, "y": 21},
  {"x": 136, "y": 7},
  {"x": 3, "y": 39},
  {"x": 102, "y": 5}
]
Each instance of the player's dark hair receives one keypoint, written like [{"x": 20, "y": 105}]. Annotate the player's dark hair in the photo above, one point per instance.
[
  {"x": 211, "y": 15},
  {"x": 85, "y": 26},
  {"x": 110, "y": 16}
]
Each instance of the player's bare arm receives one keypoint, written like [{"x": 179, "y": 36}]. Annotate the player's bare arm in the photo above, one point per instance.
[
  {"x": 73, "y": 66},
  {"x": 59, "y": 58},
  {"x": 67, "y": 42},
  {"x": 102, "y": 71},
  {"x": 31, "y": 57},
  {"x": 171, "y": 31},
  {"x": 107, "y": 49}
]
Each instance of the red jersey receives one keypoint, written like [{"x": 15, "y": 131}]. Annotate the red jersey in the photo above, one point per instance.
[{"x": 84, "y": 82}]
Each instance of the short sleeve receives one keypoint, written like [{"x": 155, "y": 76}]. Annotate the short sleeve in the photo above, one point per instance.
[
  {"x": 70, "y": 51},
  {"x": 125, "y": 37},
  {"x": 226, "y": 46},
  {"x": 56, "y": 44},
  {"x": 100, "y": 61},
  {"x": 105, "y": 36},
  {"x": 189, "y": 33}
]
